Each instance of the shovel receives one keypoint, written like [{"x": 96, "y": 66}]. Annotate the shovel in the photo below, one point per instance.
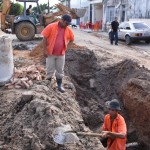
[{"x": 65, "y": 135}]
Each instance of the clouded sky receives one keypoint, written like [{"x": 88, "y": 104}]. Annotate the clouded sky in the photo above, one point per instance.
[{"x": 52, "y": 2}]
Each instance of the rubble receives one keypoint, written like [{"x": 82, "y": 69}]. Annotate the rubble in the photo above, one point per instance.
[
  {"x": 21, "y": 47},
  {"x": 31, "y": 117},
  {"x": 26, "y": 76}
]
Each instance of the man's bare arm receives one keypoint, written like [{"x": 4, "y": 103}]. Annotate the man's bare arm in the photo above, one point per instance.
[
  {"x": 70, "y": 44},
  {"x": 113, "y": 134}
]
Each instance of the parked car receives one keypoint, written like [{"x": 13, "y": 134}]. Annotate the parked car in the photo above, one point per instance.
[{"x": 133, "y": 31}]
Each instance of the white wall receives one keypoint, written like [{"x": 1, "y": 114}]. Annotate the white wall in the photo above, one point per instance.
[
  {"x": 81, "y": 4},
  {"x": 75, "y": 3},
  {"x": 140, "y": 9},
  {"x": 147, "y": 21},
  {"x": 98, "y": 12}
]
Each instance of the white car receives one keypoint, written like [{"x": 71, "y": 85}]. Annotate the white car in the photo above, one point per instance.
[{"x": 133, "y": 31}]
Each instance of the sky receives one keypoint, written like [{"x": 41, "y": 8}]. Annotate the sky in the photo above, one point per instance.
[
  {"x": 74, "y": 3},
  {"x": 52, "y": 2}
]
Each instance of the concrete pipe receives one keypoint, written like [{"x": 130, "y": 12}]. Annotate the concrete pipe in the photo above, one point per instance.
[{"x": 6, "y": 60}]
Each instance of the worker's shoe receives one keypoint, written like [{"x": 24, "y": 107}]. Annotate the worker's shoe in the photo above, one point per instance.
[{"x": 60, "y": 87}]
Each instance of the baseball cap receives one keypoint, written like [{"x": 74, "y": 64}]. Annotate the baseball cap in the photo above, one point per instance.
[
  {"x": 67, "y": 18},
  {"x": 113, "y": 104}
]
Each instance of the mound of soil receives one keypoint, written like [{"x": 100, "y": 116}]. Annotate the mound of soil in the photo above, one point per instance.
[
  {"x": 125, "y": 81},
  {"x": 136, "y": 99},
  {"x": 37, "y": 51},
  {"x": 28, "y": 118}
]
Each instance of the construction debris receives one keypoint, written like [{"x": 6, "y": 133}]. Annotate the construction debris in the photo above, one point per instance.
[
  {"x": 25, "y": 77},
  {"x": 29, "y": 119}
]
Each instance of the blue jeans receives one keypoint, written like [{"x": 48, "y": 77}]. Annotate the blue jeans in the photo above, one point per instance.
[{"x": 114, "y": 35}]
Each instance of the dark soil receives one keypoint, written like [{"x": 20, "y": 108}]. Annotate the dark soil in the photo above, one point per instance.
[{"x": 81, "y": 66}]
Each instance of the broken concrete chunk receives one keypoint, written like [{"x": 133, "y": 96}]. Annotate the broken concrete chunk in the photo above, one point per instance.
[
  {"x": 92, "y": 83},
  {"x": 27, "y": 96},
  {"x": 24, "y": 77}
]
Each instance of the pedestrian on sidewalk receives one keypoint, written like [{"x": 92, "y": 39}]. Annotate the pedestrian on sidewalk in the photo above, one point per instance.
[
  {"x": 114, "y": 31},
  {"x": 56, "y": 38},
  {"x": 114, "y": 127}
]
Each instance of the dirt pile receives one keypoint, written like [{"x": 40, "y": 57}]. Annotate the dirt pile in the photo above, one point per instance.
[
  {"x": 136, "y": 99},
  {"x": 124, "y": 80},
  {"x": 28, "y": 118},
  {"x": 38, "y": 50}
]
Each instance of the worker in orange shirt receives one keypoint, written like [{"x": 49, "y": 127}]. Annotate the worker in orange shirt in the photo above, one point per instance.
[
  {"x": 114, "y": 127},
  {"x": 56, "y": 37}
]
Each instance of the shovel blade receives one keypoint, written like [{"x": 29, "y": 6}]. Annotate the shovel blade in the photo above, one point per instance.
[{"x": 61, "y": 136}]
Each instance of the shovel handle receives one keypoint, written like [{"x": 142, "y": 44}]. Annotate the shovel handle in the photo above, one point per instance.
[{"x": 89, "y": 134}]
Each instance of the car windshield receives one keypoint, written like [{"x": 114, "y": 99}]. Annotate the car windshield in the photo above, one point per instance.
[{"x": 140, "y": 26}]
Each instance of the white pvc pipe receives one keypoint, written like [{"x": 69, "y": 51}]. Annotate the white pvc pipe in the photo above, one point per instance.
[{"x": 6, "y": 60}]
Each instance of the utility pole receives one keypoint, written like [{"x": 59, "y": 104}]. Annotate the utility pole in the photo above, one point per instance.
[
  {"x": 68, "y": 3},
  {"x": 80, "y": 3}
]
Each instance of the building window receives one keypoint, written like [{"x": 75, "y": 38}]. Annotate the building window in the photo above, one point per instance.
[
  {"x": 123, "y": 13},
  {"x": 110, "y": 14}
]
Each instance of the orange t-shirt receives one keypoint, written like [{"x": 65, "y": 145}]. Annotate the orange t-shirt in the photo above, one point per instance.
[
  {"x": 59, "y": 42},
  {"x": 118, "y": 126},
  {"x": 50, "y": 33}
]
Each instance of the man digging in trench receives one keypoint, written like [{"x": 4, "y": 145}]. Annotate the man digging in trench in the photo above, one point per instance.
[
  {"x": 56, "y": 38},
  {"x": 114, "y": 127}
]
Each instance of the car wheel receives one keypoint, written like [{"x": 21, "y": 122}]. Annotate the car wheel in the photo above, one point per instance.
[
  {"x": 128, "y": 40},
  {"x": 147, "y": 41}
]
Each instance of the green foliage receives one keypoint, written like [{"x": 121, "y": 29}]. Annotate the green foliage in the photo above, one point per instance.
[
  {"x": 0, "y": 5},
  {"x": 42, "y": 6},
  {"x": 0, "y": 8},
  {"x": 16, "y": 9}
]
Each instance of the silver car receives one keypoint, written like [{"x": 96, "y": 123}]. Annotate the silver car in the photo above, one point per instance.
[{"x": 134, "y": 31}]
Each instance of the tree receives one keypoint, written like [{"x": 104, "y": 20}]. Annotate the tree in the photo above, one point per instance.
[
  {"x": 16, "y": 9},
  {"x": 42, "y": 6},
  {"x": 0, "y": 5}
]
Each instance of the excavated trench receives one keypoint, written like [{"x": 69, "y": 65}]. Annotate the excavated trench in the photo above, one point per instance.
[
  {"x": 97, "y": 80},
  {"x": 97, "y": 83}
]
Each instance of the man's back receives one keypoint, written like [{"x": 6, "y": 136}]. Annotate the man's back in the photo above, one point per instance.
[{"x": 28, "y": 11}]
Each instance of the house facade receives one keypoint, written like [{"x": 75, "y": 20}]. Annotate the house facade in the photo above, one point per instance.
[
  {"x": 125, "y": 10},
  {"x": 94, "y": 10},
  {"x": 106, "y": 10},
  {"x": 112, "y": 8},
  {"x": 139, "y": 9},
  {"x": 97, "y": 10}
]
